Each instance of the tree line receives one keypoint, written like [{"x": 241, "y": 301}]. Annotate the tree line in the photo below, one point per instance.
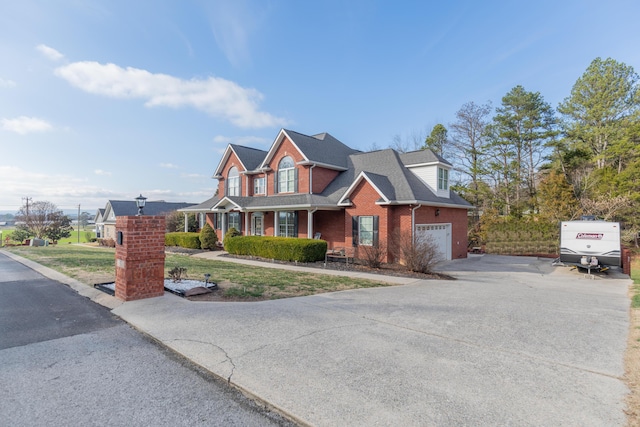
[{"x": 526, "y": 159}]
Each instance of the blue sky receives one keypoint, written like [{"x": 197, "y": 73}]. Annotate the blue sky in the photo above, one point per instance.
[{"x": 106, "y": 100}]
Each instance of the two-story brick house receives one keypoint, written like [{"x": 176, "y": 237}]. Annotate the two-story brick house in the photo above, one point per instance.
[{"x": 315, "y": 186}]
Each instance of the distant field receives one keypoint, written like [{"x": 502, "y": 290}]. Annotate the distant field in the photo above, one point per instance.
[{"x": 6, "y": 232}]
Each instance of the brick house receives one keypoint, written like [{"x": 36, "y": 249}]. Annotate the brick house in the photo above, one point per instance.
[
  {"x": 106, "y": 218},
  {"x": 317, "y": 187}
]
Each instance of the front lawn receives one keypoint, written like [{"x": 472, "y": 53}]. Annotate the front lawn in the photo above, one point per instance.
[{"x": 97, "y": 265}]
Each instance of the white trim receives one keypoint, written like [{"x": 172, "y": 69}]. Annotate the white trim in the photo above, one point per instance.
[
  {"x": 274, "y": 147},
  {"x": 224, "y": 159},
  {"x": 362, "y": 175}
]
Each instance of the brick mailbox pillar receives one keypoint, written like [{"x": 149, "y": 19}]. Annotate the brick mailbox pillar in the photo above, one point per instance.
[{"x": 139, "y": 257}]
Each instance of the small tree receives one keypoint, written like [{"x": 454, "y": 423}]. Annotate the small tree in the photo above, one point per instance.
[
  {"x": 59, "y": 227},
  {"x": 208, "y": 237},
  {"x": 20, "y": 234}
]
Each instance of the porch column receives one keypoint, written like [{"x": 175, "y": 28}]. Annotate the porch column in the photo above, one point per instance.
[
  {"x": 246, "y": 224},
  {"x": 186, "y": 222},
  {"x": 310, "y": 213},
  {"x": 201, "y": 220},
  {"x": 275, "y": 223},
  {"x": 224, "y": 225}
]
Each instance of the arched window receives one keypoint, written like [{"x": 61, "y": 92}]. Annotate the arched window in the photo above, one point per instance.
[
  {"x": 287, "y": 176},
  {"x": 233, "y": 182}
]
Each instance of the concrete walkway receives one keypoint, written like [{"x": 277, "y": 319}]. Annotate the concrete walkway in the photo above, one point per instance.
[{"x": 512, "y": 342}]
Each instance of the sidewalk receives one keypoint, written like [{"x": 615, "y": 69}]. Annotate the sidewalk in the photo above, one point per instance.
[{"x": 498, "y": 348}]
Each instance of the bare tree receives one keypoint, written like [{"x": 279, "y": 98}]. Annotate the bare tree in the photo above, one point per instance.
[{"x": 468, "y": 143}]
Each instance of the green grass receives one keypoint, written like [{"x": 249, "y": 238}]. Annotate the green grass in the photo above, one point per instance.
[
  {"x": 89, "y": 264},
  {"x": 72, "y": 239},
  {"x": 635, "y": 276}
]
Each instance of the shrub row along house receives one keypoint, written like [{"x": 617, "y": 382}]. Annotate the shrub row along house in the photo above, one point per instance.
[{"x": 317, "y": 187}]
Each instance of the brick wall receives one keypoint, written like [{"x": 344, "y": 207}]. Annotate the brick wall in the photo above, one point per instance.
[
  {"x": 286, "y": 148},
  {"x": 321, "y": 178},
  {"x": 330, "y": 224},
  {"x": 458, "y": 220},
  {"x": 363, "y": 199},
  {"x": 140, "y": 257},
  {"x": 233, "y": 161}
]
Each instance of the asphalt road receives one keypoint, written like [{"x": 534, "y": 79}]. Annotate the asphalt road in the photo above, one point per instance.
[{"x": 68, "y": 361}]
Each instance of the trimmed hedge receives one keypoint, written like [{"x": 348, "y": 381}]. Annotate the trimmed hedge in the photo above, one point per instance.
[
  {"x": 280, "y": 248},
  {"x": 182, "y": 239}
]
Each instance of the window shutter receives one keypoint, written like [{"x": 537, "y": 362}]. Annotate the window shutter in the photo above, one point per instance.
[
  {"x": 295, "y": 224},
  {"x": 275, "y": 183},
  {"x": 354, "y": 230},
  {"x": 295, "y": 180},
  {"x": 375, "y": 230}
]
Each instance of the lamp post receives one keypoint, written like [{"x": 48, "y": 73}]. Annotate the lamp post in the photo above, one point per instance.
[{"x": 140, "y": 202}]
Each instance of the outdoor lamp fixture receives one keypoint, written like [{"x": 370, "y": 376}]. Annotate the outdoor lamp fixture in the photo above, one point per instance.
[
  {"x": 437, "y": 211},
  {"x": 140, "y": 202},
  {"x": 206, "y": 277}
]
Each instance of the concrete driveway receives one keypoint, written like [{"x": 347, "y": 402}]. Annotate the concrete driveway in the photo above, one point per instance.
[{"x": 512, "y": 341}]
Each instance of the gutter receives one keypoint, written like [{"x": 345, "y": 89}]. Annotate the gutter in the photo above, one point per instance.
[{"x": 413, "y": 222}]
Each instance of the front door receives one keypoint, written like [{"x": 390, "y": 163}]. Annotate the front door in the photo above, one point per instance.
[{"x": 257, "y": 225}]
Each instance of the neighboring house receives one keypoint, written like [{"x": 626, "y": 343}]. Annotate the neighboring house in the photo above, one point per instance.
[
  {"x": 315, "y": 186},
  {"x": 116, "y": 208},
  {"x": 99, "y": 222}
]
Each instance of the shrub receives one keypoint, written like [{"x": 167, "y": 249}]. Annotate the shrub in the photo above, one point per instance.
[
  {"x": 373, "y": 255},
  {"x": 110, "y": 243},
  {"x": 419, "y": 255},
  {"x": 232, "y": 232},
  {"x": 280, "y": 248},
  {"x": 184, "y": 240},
  {"x": 208, "y": 237},
  {"x": 175, "y": 274}
]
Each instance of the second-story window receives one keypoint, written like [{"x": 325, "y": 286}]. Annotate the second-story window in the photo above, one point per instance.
[
  {"x": 233, "y": 182},
  {"x": 443, "y": 179},
  {"x": 259, "y": 186},
  {"x": 287, "y": 176}
]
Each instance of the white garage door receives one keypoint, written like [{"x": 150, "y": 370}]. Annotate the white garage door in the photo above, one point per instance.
[{"x": 440, "y": 235}]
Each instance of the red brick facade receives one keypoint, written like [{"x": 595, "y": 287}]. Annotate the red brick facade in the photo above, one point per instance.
[
  {"x": 335, "y": 223},
  {"x": 140, "y": 257}
]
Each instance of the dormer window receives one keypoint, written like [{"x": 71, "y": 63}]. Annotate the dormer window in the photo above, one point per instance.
[
  {"x": 287, "y": 176},
  {"x": 233, "y": 182},
  {"x": 443, "y": 179}
]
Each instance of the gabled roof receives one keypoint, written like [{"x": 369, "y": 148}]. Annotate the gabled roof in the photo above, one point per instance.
[
  {"x": 205, "y": 206},
  {"x": 129, "y": 208},
  {"x": 99, "y": 215},
  {"x": 421, "y": 157},
  {"x": 389, "y": 175},
  {"x": 322, "y": 149},
  {"x": 250, "y": 158}
]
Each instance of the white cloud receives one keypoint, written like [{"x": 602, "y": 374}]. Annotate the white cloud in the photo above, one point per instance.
[
  {"x": 102, "y": 172},
  {"x": 7, "y": 83},
  {"x": 49, "y": 52},
  {"x": 168, "y": 166},
  {"x": 23, "y": 125},
  {"x": 216, "y": 96}
]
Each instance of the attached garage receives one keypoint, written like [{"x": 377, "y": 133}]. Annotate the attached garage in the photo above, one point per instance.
[{"x": 440, "y": 235}]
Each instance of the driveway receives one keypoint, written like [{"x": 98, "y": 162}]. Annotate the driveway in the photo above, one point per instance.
[{"x": 512, "y": 341}]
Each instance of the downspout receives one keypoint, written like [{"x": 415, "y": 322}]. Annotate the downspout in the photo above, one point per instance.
[
  {"x": 413, "y": 223},
  {"x": 311, "y": 178}
]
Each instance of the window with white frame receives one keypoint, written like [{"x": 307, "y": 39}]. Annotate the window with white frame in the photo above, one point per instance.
[
  {"x": 288, "y": 224},
  {"x": 286, "y": 175},
  {"x": 233, "y": 182},
  {"x": 259, "y": 186},
  {"x": 443, "y": 179},
  {"x": 365, "y": 230},
  {"x": 233, "y": 221}
]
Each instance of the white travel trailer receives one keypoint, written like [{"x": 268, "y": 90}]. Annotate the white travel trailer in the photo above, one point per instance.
[{"x": 581, "y": 241}]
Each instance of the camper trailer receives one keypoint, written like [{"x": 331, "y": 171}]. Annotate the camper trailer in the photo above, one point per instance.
[{"x": 590, "y": 243}]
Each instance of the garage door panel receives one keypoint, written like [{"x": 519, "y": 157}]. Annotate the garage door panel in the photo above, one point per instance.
[{"x": 439, "y": 234}]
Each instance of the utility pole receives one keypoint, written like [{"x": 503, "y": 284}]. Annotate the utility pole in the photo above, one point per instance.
[
  {"x": 27, "y": 200},
  {"x": 78, "y": 222}
]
